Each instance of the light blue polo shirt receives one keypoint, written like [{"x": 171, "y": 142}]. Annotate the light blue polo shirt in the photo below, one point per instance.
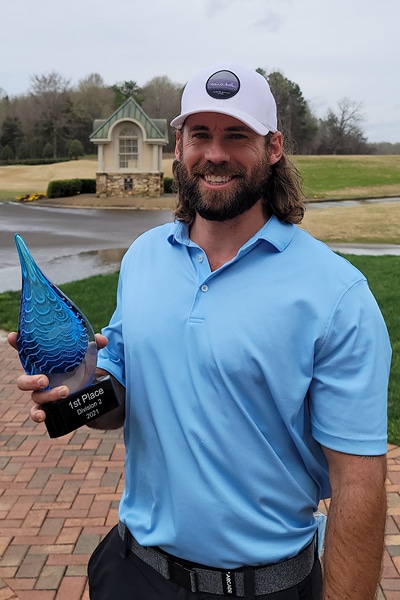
[{"x": 234, "y": 378}]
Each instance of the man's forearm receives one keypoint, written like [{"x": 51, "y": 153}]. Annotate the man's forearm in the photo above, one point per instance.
[{"x": 354, "y": 542}]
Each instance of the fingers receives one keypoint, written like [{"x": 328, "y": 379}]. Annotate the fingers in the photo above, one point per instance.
[
  {"x": 37, "y": 384},
  {"x": 101, "y": 341},
  {"x": 37, "y": 414},
  {"x": 12, "y": 339},
  {"x": 31, "y": 383},
  {"x": 52, "y": 395},
  {"x": 34, "y": 383}
]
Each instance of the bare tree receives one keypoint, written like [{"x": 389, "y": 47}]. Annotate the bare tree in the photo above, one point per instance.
[
  {"x": 52, "y": 93},
  {"x": 162, "y": 101},
  {"x": 340, "y": 132},
  {"x": 92, "y": 99}
]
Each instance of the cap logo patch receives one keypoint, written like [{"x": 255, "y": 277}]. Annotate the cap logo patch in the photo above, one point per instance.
[{"x": 223, "y": 85}]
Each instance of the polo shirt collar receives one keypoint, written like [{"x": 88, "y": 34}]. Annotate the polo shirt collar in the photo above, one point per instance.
[{"x": 274, "y": 232}]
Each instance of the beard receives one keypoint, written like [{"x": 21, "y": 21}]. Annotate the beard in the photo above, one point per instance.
[{"x": 222, "y": 205}]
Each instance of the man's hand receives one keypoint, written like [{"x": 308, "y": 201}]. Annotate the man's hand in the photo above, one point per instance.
[{"x": 36, "y": 384}]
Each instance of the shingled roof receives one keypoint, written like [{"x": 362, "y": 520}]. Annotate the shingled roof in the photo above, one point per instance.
[{"x": 156, "y": 129}]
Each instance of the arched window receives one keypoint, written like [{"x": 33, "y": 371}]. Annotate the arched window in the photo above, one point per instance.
[{"x": 128, "y": 146}]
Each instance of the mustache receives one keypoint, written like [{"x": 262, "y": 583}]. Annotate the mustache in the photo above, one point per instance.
[{"x": 209, "y": 168}]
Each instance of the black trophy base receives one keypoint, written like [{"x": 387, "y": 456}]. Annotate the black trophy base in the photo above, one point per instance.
[{"x": 80, "y": 408}]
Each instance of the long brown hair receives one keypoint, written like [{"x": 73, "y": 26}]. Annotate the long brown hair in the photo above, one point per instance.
[{"x": 283, "y": 195}]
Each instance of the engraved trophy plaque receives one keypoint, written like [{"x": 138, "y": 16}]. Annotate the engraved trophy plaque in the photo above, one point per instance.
[{"x": 56, "y": 339}]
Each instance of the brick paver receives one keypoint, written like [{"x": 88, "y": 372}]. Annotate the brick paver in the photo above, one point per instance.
[{"x": 59, "y": 497}]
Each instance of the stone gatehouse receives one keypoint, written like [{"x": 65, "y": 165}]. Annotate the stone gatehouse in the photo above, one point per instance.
[{"x": 130, "y": 148}]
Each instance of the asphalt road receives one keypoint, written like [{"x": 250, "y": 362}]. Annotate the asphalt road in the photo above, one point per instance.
[
  {"x": 69, "y": 244},
  {"x": 73, "y": 243}
]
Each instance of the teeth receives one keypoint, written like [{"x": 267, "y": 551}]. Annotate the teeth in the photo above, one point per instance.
[{"x": 216, "y": 179}]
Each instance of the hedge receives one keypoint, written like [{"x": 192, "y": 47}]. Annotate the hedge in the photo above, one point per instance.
[
  {"x": 88, "y": 186},
  {"x": 168, "y": 185},
  {"x": 61, "y": 188},
  {"x": 35, "y": 161}
]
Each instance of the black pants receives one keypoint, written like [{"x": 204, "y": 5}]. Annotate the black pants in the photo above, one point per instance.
[{"x": 117, "y": 574}]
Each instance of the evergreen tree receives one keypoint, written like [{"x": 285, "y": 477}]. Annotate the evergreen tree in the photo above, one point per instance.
[
  {"x": 11, "y": 133},
  {"x": 74, "y": 149},
  {"x": 125, "y": 90},
  {"x": 48, "y": 151},
  {"x": 23, "y": 151},
  {"x": 7, "y": 154},
  {"x": 295, "y": 119}
]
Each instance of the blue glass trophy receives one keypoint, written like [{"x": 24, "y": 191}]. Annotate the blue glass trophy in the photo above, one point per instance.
[{"x": 56, "y": 339}]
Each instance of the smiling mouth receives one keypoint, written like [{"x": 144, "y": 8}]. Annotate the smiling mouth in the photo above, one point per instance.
[{"x": 217, "y": 178}]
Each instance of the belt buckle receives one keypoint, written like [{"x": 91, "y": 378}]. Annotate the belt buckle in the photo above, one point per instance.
[{"x": 179, "y": 574}]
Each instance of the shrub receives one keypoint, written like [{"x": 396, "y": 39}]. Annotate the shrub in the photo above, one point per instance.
[
  {"x": 63, "y": 187},
  {"x": 75, "y": 149},
  {"x": 40, "y": 161},
  {"x": 48, "y": 151},
  {"x": 168, "y": 185},
  {"x": 88, "y": 186}
]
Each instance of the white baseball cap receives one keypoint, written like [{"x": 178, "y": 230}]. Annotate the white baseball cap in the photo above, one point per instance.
[{"x": 234, "y": 90}]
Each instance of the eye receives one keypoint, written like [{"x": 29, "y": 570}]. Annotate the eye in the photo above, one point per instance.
[
  {"x": 237, "y": 136},
  {"x": 201, "y": 135}
]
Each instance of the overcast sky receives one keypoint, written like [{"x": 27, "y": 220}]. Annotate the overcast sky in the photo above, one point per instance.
[{"x": 331, "y": 48}]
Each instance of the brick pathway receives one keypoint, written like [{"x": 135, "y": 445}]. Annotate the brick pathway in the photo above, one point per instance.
[{"x": 59, "y": 497}]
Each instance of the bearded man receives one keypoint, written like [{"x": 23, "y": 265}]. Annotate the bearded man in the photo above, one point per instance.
[{"x": 253, "y": 366}]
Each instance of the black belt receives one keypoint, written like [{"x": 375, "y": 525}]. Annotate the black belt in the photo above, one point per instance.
[{"x": 268, "y": 579}]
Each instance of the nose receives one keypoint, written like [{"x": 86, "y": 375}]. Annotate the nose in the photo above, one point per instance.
[{"x": 216, "y": 151}]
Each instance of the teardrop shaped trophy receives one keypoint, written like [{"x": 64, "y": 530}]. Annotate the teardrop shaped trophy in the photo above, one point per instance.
[{"x": 56, "y": 339}]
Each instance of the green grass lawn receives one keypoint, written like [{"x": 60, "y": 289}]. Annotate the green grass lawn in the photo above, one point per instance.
[
  {"x": 7, "y": 196},
  {"x": 349, "y": 176},
  {"x": 382, "y": 272},
  {"x": 85, "y": 293}
]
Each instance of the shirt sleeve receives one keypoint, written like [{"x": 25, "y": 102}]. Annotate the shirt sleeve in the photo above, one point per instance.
[
  {"x": 348, "y": 393},
  {"x": 112, "y": 357}
]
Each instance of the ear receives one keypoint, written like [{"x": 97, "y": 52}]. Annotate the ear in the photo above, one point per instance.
[
  {"x": 177, "y": 145},
  {"x": 275, "y": 148}
]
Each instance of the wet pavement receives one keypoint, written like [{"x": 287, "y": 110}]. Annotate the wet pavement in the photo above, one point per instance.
[
  {"x": 367, "y": 250},
  {"x": 351, "y": 202},
  {"x": 69, "y": 243},
  {"x": 73, "y": 238}
]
